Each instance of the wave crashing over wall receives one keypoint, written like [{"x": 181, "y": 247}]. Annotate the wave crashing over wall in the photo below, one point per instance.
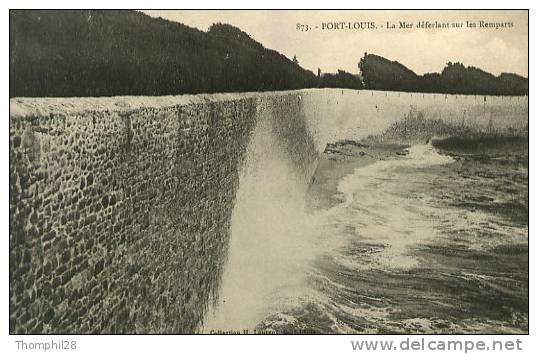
[{"x": 123, "y": 207}]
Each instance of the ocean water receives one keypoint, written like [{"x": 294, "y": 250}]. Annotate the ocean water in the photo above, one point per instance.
[{"x": 431, "y": 240}]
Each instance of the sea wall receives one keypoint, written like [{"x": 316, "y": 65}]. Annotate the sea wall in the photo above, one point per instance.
[{"x": 121, "y": 208}]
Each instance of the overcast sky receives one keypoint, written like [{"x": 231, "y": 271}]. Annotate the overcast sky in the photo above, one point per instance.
[{"x": 422, "y": 50}]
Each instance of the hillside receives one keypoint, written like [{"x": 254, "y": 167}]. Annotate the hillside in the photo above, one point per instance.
[
  {"x": 121, "y": 52},
  {"x": 107, "y": 53},
  {"x": 382, "y": 74}
]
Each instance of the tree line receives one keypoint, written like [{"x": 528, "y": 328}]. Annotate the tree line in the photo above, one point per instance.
[
  {"x": 379, "y": 73},
  {"x": 107, "y": 53},
  {"x": 65, "y": 53}
]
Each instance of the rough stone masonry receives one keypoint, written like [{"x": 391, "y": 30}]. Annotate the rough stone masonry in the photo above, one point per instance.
[{"x": 120, "y": 208}]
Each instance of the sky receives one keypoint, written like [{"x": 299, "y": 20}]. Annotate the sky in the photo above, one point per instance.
[{"x": 422, "y": 50}]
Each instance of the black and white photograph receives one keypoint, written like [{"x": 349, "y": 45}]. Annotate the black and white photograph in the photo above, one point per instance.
[{"x": 232, "y": 172}]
